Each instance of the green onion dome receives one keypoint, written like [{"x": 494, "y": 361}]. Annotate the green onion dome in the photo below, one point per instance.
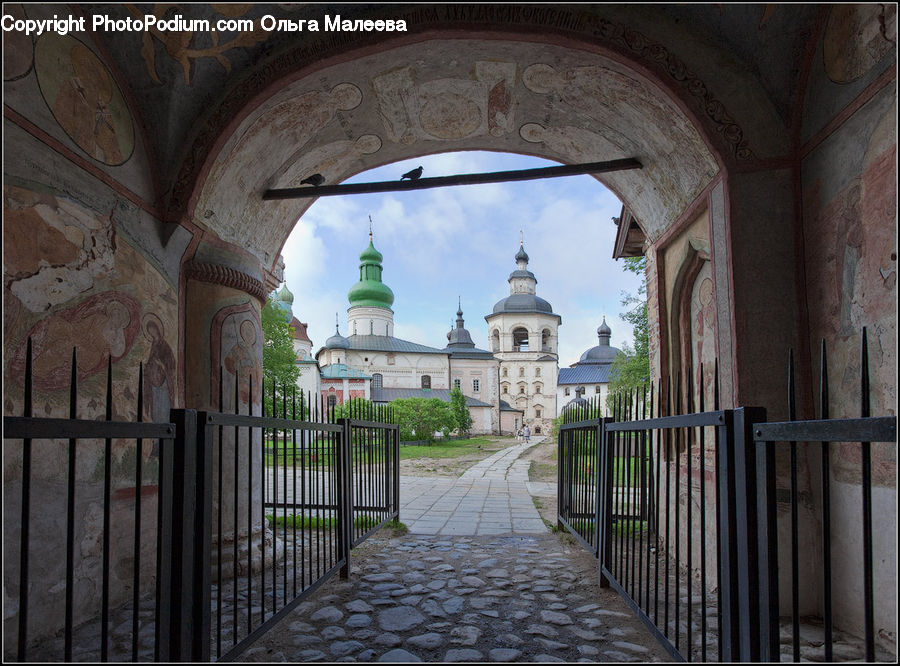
[
  {"x": 370, "y": 290},
  {"x": 283, "y": 301}
]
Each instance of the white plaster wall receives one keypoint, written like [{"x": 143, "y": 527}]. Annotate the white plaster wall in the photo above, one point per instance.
[
  {"x": 365, "y": 320},
  {"x": 847, "y": 573}
]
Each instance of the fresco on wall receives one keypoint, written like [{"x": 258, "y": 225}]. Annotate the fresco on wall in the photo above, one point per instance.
[
  {"x": 446, "y": 108},
  {"x": 84, "y": 99},
  {"x": 159, "y": 370},
  {"x": 703, "y": 333},
  {"x": 597, "y": 92},
  {"x": 71, "y": 281},
  {"x": 240, "y": 350},
  {"x": 177, "y": 44},
  {"x": 857, "y": 37},
  {"x": 54, "y": 248},
  {"x": 331, "y": 160},
  {"x": 572, "y": 144},
  {"x": 102, "y": 327},
  {"x": 18, "y": 49},
  {"x": 280, "y": 134}
]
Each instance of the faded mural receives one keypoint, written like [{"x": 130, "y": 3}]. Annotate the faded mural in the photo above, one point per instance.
[{"x": 84, "y": 99}]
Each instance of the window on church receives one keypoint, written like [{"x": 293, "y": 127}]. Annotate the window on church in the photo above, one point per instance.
[
  {"x": 332, "y": 401},
  {"x": 522, "y": 390},
  {"x": 537, "y": 413},
  {"x": 521, "y": 372},
  {"x": 520, "y": 340},
  {"x": 476, "y": 385},
  {"x": 390, "y": 359},
  {"x": 495, "y": 341},
  {"x": 537, "y": 388},
  {"x": 506, "y": 372},
  {"x": 371, "y": 327},
  {"x": 457, "y": 384},
  {"x": 426, "y": 381},
  {"x": 377, "y": 380},
  {"x": 566, "y": 391},
  {"x": 597, "y": 388},
  {"x": 506, "y": 388},
  {"x": 545, "y": 340},
  {"x": 537, "y": 372}
]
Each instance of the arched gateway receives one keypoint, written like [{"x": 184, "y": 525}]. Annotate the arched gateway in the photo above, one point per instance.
[{"x": 135, "y": 162}]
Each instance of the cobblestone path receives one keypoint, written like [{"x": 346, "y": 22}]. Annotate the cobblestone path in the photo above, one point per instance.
[{"x": 531, "y": 598}]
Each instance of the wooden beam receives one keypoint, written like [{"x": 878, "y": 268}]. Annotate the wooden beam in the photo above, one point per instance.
[{"x": 447, "y": 181}]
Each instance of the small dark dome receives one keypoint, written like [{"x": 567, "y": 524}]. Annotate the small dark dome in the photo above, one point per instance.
[
  {"x": 602, "y": 353},
  {"x": 599, "y": 354},
  {"x": 522, "y": 274},
  {"x": 522, "y": 303},
  {"x": 521, "y": 254},
  {"x": 337, "y": 341}
]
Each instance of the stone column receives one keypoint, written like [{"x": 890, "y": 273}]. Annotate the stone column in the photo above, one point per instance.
[{"x": 223, "y": 344}]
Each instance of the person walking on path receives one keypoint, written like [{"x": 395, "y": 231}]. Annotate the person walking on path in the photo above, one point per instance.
[
  {"x": 519, "y": 436},
  {"x": 527, "y": 434}
]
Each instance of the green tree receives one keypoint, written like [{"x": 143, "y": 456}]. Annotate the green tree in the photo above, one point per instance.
[
  {"x": 631, "y": 368},
  {"x": 279, "y": 358},
  {"x": 421, "y": 418},
  {"x": 460, "y": 411},
  {"x": 354, "y": 408}
]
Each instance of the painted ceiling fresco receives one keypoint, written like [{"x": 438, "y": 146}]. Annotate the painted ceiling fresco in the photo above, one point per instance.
[
  {"x": 229, "y": 115},
  {"x": 455, "y": 95}
]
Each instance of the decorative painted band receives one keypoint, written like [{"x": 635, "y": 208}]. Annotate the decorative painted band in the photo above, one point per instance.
[{"x": 227, "y": 277}]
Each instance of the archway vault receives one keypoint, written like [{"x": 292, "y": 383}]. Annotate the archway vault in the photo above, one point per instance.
[{"x": 442, "y": 95}]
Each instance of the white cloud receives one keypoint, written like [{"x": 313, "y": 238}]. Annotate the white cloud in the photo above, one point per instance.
[{"x": 308, "y": 256}]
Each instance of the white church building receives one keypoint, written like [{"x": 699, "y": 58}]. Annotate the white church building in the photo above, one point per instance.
[{"x": 511, "y": 385}]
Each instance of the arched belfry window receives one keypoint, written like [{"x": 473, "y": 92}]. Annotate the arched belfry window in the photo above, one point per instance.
[
  {"x": 495, "y": 341},
  {"x": 520, "y": 339},
  {"x": 426, "y": 381},
  {"x": 377, "y": 380},
  {"x": 545, "y": 340}
]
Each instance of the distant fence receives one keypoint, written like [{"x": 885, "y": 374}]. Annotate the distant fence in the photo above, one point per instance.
[{"x": 208, "y": 529}]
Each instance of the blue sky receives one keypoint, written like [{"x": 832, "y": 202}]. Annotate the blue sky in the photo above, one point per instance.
[{"x": 444, "y": 243}]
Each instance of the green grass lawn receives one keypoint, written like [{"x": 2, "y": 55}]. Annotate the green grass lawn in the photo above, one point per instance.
[
  {"x": 620, "y": 465},
  {"x": 454, "y": 448}
]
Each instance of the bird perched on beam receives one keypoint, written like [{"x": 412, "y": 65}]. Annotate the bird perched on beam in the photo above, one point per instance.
[
  {"x": 315, "y": 180},
  {"x": 415, "y": 174}
]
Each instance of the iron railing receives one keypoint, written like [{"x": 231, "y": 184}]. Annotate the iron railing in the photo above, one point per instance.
[
  {"x": 578, "y": 473},
  {"x": 822, "y": 441},
  {"x": 63, "y": 494},
  {"x": 684, "y": 517},
  {"x": 252, "y": 514},
  {"x": 669, "y": 521}
]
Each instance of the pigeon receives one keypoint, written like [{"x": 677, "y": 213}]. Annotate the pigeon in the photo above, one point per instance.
[
  {"x": 415, "y": 174},
  {"x": 315, "y": 180}
]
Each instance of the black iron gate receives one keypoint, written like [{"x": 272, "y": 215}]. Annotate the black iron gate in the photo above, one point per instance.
[
  {"x": 221, "y": 525},
  {"x": 682, "y": 511}
]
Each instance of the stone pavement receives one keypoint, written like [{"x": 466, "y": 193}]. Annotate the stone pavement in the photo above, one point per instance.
[
  {"x": 479, "y": 578},
  {"x": 502, "y": 598},
  {"x": 491, "y": 497}
]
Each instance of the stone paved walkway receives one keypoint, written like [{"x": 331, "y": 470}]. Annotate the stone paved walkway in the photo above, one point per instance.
[
  {"x": 521, "y": 598},
  {"x": 479, "y": 578},
  {"x": 491, "y": 497}
]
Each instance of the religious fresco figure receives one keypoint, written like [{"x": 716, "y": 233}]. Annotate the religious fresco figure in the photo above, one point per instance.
[
  {"x": 159, "y": 371},
  {"x": 84, "y": 99},
  {"x": 242, "y": 359},
  {"x": 102, "y": 327}
]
